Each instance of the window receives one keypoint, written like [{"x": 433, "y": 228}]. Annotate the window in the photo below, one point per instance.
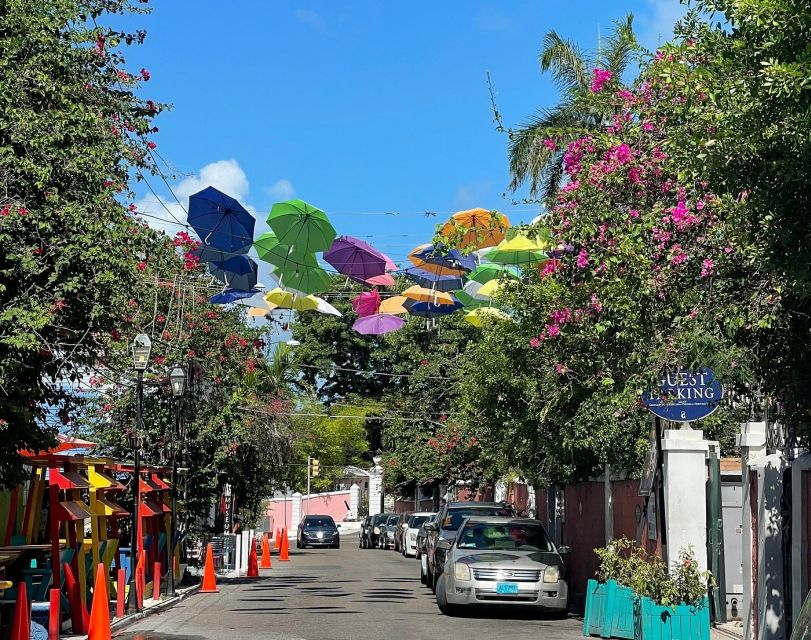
[
  {"x": 502, "y": 537},
  {"x": 319, "y": 521},
  {"x": 454, "y": 518}
]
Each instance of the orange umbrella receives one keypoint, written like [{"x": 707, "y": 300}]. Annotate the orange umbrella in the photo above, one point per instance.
[
  {"x": 421, "y": 294},
  {"x": 438, "y": 269},
  {"x": 63, "y": 443},
  {"x": 393, "y": 305},
  {"x": 479, "y": 228}
]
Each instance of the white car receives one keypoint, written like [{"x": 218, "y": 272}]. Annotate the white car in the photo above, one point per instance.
[{"x": 415, "y": 520}]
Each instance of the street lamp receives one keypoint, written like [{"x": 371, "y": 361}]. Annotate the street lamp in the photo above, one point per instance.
[
  {"x": 177, "y": 377},
  {"x": 141, "y": 348}
]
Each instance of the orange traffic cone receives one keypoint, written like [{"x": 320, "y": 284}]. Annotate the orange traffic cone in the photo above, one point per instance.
[
  {"x": 99, "y": 628},
  {"x": 253, "y": 568},
  {"x": 266, "y": 564},
  {"x": 284, "y": 551},
  {"x": 278, "y": 539},
  {"x": 21, "y": 626},
  {"x": 209, "y": 579}
]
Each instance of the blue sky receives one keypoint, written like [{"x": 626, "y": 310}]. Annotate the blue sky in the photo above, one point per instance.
[{"x": 361, "y": 107}]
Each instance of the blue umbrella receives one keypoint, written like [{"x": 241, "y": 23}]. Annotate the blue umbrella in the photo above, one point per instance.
[
  {"x": 432, "y": 280},
  {"x": 453, "y": 259},
  {"x": 232, "y": 295},
  {"x": 220, "y": 221},
  {"x": 429, "y": 309},
  {"x": 236, "y": 272}
]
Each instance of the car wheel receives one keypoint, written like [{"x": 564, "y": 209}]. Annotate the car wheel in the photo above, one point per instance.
[
  {"x": 434, "y": 582},
  {"x": 298, "y": 543},
  {"x": 423, "y": 576},
  {"x": 442, "y": 599}
]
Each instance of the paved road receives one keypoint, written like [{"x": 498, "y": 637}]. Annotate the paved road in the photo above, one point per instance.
[{"x": 334, "y": 595}]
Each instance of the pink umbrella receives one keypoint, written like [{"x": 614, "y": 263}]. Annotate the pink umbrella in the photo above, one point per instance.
[
  {"x": 378, "y": 324},
  {"x": 367, "y": 303},
  {"x": 381, "y": 281}
]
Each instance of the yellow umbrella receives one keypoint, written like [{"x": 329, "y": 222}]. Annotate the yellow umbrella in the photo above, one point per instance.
[
  {"x": 421, "y": 294},
  {"x": 478, "y": 227},
  {"x": 490, "y": 288},
  {"x": 261, "y": 312},
  {"x": 393, "y": 305},
  {"x": 478, "y": 317},
  {"x": 519, "y": 250},
  {"x": 287, "y": 300}
]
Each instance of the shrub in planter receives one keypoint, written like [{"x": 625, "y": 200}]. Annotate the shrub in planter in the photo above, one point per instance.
[{"x": 609, "y": 600}]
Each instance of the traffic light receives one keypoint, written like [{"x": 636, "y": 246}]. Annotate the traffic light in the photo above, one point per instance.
[{"x": 314, "y": 467}]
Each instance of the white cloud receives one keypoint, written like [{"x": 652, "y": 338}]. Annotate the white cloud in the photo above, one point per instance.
[
  {"x": 656, "y": 25},
  {"x": 281, "y": 190},
  {"x": 312, "y": 19},
  {"x": 491, "y": 19}
]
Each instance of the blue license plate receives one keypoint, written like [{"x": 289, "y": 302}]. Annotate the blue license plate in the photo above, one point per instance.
[{"x": 507, "y": 588}]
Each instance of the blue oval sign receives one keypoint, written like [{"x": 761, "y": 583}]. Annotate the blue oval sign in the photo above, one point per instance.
[{"x": 685, "y": 396}]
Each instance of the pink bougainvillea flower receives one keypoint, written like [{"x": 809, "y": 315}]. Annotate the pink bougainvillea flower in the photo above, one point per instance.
[
  {"x": 142, "y": 266},
  {"x": 534, "y": 342},
  {"x": 145, "y": 74},
  {"x": 582, "y": 259},
  {"x": 22, "y": 211},
  {"x": 133, "y": 207},
  {"x": 151, "y": 145},
  {"x": 550, "y": 144},
  {"x": 560, "y": 369},
  {"x": 707, "y": 268},
  {"x": 601, "y": 77}
]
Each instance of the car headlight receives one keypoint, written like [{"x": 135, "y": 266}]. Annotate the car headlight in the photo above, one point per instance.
[
  {"x": 461, "y": 571},
  {"x": 552, "y": 574},
  {"x": 377, "y": 530}
]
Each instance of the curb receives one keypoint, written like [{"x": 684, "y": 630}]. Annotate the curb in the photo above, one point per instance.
[{"x": 726, "y": 633}]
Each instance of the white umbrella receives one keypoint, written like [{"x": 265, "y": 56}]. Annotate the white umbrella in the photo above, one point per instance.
[
  {"x": 472, "y": 289},
  {"x": 326, "y": 308}
]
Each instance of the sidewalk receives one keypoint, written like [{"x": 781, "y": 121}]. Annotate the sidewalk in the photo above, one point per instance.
[{"x": 727, "y": 631}]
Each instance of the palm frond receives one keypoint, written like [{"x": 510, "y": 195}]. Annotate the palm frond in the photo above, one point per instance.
[
  {"x": 567, "y": 63},
  {"x": 620, "y": 45}
]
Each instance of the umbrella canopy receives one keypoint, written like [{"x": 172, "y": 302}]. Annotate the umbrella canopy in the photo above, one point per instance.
[
  {"x": 302, "y": 226},
  {"x": 63, "y": 443},
  {"x": 430, "y": 310},
  {"x": 432, "y": 280},
  {"x": 519, "y": 250},
  {"x": 367, "y": 303},
  {"x": 469, "y": 301},
  {"x": 378, "y": 324},
  {"x": 421, "y": 294},
  {"x": 489, "y": 289},
  {"x": 303, "y": 275},
  {"x": 261, "y": 312},
  {"x": 220, "y": 221},
  {"x": 491, "y": 271},
  {"x": 236, "y": 272},
  {"x": 393, "y": 305},
  {"x": 472, "y": 289},
  {"x": 476, "y": 228},
  {"x": 232, "y": 295},
  {"x": 269, "y": 249},
  {"x": 289, "y": 300},
  {"x": 325, "y": 307},
  {"x": 437, "y": 255},
  {"x": 354, "y": 257},
  {"x": 438, "y": 269},
  {"x": 380, "y": 281},
  {"x": 480, "y": 317}
]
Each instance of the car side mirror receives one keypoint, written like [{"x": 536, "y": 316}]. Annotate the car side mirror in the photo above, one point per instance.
[
  {"x": 429, "y": 526},
  {"x": 444, "y": 544},
  {"x": 338, "y": 526},
  {"x": 564, "y": 550}
]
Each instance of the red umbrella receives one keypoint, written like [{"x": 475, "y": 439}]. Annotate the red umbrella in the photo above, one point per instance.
[
  {"x": 367, "y": 303},
  {"x": 64, "y": 443}
]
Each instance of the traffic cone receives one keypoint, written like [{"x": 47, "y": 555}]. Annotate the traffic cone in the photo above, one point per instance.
[
  {"x": 209, "y": 579},
  {"x": 253, "y": 568},
  {"x": 266, "y": 564},
  {"x": 21, "y": 625},
  {"x": 278, "y": 539},
  {"x": 120, "y": 593},
  {"x": 284, "y": 552},
  {"x": 99, "y": 628}
]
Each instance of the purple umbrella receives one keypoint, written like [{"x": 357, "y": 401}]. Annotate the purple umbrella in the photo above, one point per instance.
[
  {"x": 378, "y": 324},
  {"x": 367, "y": 303},
  {"x": 355, "y": 258}
]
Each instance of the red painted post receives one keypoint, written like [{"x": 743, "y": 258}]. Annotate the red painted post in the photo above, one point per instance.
[
  {"x": 54, "y": 614},
  {"x": 121, "y": 594},
  {"x": 156, "y": 582}
]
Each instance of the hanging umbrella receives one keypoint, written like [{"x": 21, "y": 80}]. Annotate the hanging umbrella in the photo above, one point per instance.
[
  {"x": 290, "y": 300},
  {"x": 472, "y": 289},
  {"x": 393, "y": 305},
  {"x": 236, "y": 272},
  {"x": 207, "y": 254},
  {"x": 437, "y": 255},
  {"x": 220, "y": 221},
  {"x": 232, "y": 295},
  {"x": 478, "y": 228},
  {"x": 380, "y": 281},
  {"x": 366, "y": 303},
  {"x": 519, "y": 250},
  {"x": 63, "y": 443},
  {"x": 353, "y": 257},
  {"x": 469, "y": 301},
  {"x": 378, "y": 324},
  {"x": 303, "y": 275},
  {"x": 421, "y": 294},
  {"x": 430, "y": 310},
  {"x": 269, "y": 249},
  {"x": 302, "y": 226},
  {"x": 431, "y": 280},
  {"x": 260, "y": 312},
  {"x": 491, "y": 271},
  {"x": 489, "y": 289},
  {"x": 480, "y": 317},
  {"x": 325, "y": 307},
  {"x": 438, "y": 269}
]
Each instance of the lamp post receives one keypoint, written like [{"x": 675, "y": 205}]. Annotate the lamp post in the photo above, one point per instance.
[
  {"x": 141, "y": 348},
  {"x": 178, "y": 379}
]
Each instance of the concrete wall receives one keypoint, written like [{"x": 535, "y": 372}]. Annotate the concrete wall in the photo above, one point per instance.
[{"x": 332, "y": 504}]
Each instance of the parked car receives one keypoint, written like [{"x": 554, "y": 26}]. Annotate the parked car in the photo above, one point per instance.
[
  {"x": 448, "y": 521},
  {"x": 365, "y": 533},
  {"x": 422, "y": 534},
  {"x": 387, "y": 531},
  {"x": 318, "y": 531},
  {"x": 378, "y": 527},
  {"x": 413, "y": 524},
  {"x": 502, "y": 561},
  {"x": 399, "y": 532}
]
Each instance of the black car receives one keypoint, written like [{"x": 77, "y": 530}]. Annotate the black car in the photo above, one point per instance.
[
  {"x": 365, "y": 533},
  {"x": 378, "y": 526},
  {"x": 318, "y": 531},
  {"x": 448, "y": 521},
  {"x": 387, "y": 532},
  {"x": 422, "y": 535}
]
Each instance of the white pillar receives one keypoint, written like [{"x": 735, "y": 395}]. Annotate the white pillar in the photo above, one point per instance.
[
  {"x": 685, "y": 475},
  {"x": 295, "y": 512},
  {"x": 246, "y": 550},
  {"x": 238, "y": 553},
  {"x": 608, "y": 490},
  {"x": 354, "y": 500},
  {"x": 375, "y": 487},
  {"x": 500, "y": 491},
  {"x": 799, "y": 535}
]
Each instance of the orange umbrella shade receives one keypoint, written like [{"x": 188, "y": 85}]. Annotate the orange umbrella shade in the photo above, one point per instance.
[
  {"x": 421, "y": 294},
  {"x": 438, "y": 269},
  {"x": 64, "y": 443},
  {"x": 476, "y": 228},
  {"x": 394, "y": 305}
]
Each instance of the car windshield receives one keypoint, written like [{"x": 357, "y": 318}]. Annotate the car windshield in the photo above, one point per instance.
[
  {"x": 380, "y": 518},
  {"x": 455, "y": 516},
  {"x": 499, "y": 537},
  {"x": 393, "y": 520},
  {"x": 325, "y": 521},
  {"x": 416, "y": 521}
]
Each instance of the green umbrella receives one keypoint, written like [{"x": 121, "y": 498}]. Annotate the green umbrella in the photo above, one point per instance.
[
  {"x": 269, "y": 249},
  {"x": 488, "y": 271},
  {"x": 302, "y": 226},
  {"x": 469, "y": 301},
  {"x": 303, "y": 275}
]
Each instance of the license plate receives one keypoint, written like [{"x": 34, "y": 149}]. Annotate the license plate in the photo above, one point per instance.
[{"x": 507, "y": 588}]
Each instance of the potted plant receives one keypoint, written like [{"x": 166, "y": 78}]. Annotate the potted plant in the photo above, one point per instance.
[{"x": 609, "y": 600}]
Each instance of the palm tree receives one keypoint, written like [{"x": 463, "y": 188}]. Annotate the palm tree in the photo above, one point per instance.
[
  {"x": 570, "y": 66},
  {"x": 277, "y": 376}
]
